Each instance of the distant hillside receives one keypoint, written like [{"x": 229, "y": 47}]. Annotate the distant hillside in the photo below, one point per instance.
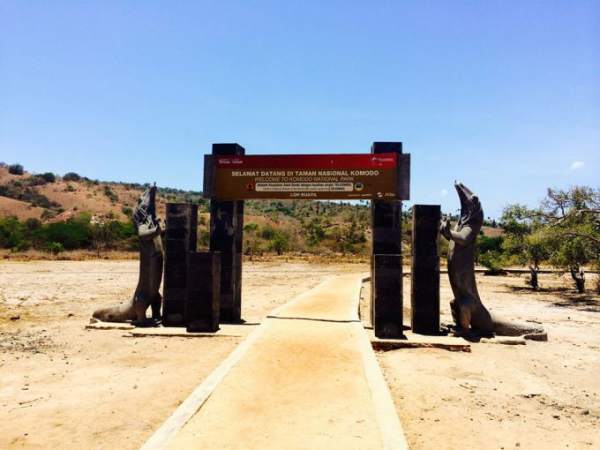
[
  {"x": 30, "y": 196},
  {"x": 270, "y": 226},
  {"x": 276, "y": 226}
]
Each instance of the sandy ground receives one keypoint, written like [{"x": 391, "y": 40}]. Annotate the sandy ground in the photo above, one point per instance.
[
  {"x": 65, "y": 387},
  {"x": 544, "y": 395}
]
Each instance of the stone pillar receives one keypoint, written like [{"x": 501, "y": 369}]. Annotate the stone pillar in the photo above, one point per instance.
[
  {"x": 425, "y": 280},
  {"x": 203, "y": 291},
  {"x": 226, "y": 237},
  {"x": 180, "y": 239},
  {"x": 386, "y": 262}
]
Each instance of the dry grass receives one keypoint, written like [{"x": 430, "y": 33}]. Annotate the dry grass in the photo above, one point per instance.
[{"x": 74, "y": 255}]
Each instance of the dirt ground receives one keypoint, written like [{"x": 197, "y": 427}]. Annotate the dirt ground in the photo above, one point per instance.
[
  {"x": 62, "y": 386},
  {"x": 544, "y": 395}
]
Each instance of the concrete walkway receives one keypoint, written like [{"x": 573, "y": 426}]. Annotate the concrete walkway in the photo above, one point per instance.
[{"x": 308, "y": 380}]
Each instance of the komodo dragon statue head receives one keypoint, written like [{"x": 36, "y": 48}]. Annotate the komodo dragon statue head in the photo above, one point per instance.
[
  {"x": 471, "y": 213},
  {"x": 144, "y": 215},
  {"x": 470, "y": 315}
]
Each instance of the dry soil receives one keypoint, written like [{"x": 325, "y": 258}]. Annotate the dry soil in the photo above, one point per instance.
[
  {"x": 544, "y": 395},
  {"x": 62, "y": 386}
]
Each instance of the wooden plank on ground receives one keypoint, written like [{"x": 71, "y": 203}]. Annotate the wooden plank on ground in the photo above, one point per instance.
[
  {"x": 450, "y": 343},
  {"x": 109, "y": 326}
]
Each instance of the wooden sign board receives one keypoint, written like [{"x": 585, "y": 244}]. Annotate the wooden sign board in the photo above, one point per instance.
[{"x": 383, "y": 176}]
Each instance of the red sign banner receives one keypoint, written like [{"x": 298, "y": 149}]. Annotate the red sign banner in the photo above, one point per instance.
[{"x": 337, "y": 176}]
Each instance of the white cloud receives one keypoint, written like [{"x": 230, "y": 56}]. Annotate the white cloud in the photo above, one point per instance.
[
  {"x": 444, "y": 192},
  {"x": 577, "y": 165}
]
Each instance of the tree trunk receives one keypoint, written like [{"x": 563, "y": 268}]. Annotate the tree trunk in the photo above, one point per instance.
[
  {"x": 579, "y": 278},
  {"x": 533, "y": 282}
]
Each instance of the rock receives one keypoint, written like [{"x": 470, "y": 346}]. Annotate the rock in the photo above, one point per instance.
[{"x": 17, "y": 317}]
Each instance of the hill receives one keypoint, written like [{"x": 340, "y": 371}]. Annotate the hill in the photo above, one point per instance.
[
  {"x": 277, "y": 226},
  {"x": 270, "y": 226}
]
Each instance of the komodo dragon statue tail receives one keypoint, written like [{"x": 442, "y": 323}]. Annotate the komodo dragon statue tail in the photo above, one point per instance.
[
  {"x": 470, "y": 315},
  {"x": 151, "y": 268}
]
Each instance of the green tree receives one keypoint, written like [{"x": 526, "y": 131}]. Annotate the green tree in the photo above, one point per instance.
[
  {"x": 280, "y": 242},
  {"x": 573, "y": 218},
  {"x": 565, "y": 229},
  {"x": 525, "y": 241}
]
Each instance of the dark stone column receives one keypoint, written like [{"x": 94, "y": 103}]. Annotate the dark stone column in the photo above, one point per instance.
[
  {"x": 226, "y": 236},
  {"x": 387, "y": 293},
  {"x": 180, "y": 238},
  {"x": 425, "y": 280},
  {"x": 237, "y": 261},
  {"x": 386, "y": 263},
  {"x": 203, "y": 291}
]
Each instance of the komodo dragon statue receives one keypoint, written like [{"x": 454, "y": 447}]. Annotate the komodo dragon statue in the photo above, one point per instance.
[
  {"x": 470, "y": 315},
  {"x": 151, "y": 268}
]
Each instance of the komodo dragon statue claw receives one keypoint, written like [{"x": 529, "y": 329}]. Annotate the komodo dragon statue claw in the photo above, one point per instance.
[
  {"x": 470, "y": 315},
  {"x": 151, "y": 268}
]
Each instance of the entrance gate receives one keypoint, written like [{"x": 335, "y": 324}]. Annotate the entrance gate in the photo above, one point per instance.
[{"x": 382, "y": 176}]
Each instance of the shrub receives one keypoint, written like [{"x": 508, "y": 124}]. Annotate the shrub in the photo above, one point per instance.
[
  {"x": 71, "y": 176},
  {"x": 72, "y": 234},
  {"x": 268, "y": 233},
  {"x": 110, "y": 194},
  {"x": 33, "y": 224},
  {"x": 486, "y": 244},
  {"x": 75, "y": 233},
  {"x": 12, "y": 233},
  {"x": 22, "y": 246},
  {"x": 250, "y": 227},
  {"x": 493, "y": 262},
  {"x": 18, "y": 191},
  {"x": 16, "y": 169},
  {"x": 314, "y": 232},
  {"x": 54, "y": 247},
  {"x": 39, "y": 200},
  {"x": 49, "y": 177},
  {"x": 36, "y": 180},
  {"x": 48, "y": 214}
]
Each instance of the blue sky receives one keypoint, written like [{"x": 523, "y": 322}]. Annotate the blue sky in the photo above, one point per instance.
[{"x": 502, "y": 95}]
